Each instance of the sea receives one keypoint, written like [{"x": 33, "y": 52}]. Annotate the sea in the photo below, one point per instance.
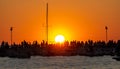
[{"x": 60, "y": 62}]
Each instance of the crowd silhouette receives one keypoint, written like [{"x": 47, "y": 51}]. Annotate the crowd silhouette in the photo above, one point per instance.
[{"x": 88, "y": 48}]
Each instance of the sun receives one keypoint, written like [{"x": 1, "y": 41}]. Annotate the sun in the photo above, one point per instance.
[{"x": 59, "y": 38}]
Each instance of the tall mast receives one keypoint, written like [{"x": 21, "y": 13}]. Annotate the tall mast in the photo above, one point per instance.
[{"x": 47, "y": 22}]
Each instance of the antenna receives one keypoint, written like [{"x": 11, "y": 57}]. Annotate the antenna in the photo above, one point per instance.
[
  {"x": 106, "y": 28},
  {"x": 47, "y": 22}
]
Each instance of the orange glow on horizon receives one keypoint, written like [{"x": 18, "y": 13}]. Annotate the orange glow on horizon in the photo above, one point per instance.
[{"x": 74, "y": 19}]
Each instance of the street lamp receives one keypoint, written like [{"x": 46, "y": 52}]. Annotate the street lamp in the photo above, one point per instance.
[
  {"x": 11, "y": 29},
  {"x": 106, "y": 28}
]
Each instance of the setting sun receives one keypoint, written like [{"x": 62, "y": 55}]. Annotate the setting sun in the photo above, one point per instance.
[{"x": 59, "y": 38}]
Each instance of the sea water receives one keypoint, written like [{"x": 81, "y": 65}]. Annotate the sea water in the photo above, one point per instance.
[{"x": 60, "y": 62}]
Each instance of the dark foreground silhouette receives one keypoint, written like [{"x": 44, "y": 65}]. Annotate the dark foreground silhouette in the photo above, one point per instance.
[{"x": 73, "y": 48}]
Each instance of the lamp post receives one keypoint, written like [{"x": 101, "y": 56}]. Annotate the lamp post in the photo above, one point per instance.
[
  {"x": 106, "y": 28},
  {"x": 11, "y": 30}
]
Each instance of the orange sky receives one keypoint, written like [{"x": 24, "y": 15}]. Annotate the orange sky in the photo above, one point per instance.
[{"x": 75, "y": 19}]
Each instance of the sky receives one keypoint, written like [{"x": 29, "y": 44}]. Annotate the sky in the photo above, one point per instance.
[{"x": 74, "y": 19}]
